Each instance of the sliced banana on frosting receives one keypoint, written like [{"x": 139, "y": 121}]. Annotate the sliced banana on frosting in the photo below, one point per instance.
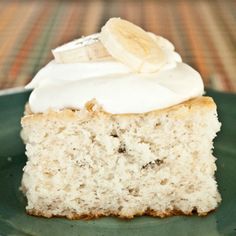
[
  {"x": 132, "y": 46},
  {"x": 121, "y": 40},
  {"x": 84, "y": 49}
]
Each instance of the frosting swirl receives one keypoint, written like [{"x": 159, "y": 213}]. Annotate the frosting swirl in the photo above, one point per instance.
[{"x": 115, "y": 87}]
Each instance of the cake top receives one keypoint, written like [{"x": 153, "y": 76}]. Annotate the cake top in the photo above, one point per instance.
[{"x": 126, "y": 69}]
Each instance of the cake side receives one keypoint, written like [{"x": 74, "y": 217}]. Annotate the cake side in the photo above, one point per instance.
[
  {"x": 89, "y": 163},
  {"x": 94, "y": 108}
]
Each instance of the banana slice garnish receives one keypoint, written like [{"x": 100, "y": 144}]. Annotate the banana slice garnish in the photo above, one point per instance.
[
  {"x": 84, "y": 49},
  {"x": 132, "y": 46},
  {"x": 121, "y": 40}
]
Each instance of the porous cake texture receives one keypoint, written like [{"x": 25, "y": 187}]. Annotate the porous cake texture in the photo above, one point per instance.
[{"x": 89, "y": 163}]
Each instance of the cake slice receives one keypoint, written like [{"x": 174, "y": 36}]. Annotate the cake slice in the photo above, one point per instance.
[
  {"x": 105, "y": 138},
  {"x": 89, "y": 163}
]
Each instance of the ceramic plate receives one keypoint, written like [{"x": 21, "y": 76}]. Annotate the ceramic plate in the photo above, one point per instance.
[{"x": 14, "y": 220}]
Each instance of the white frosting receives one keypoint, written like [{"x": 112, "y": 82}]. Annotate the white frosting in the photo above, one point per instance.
[{"x": 115, "y": 87}]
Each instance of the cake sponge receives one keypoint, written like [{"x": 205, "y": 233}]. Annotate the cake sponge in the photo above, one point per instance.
[{"x": 90, "y": 163}]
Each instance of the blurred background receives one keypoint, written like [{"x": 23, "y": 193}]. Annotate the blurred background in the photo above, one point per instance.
[{"x": 204, "y": 33}]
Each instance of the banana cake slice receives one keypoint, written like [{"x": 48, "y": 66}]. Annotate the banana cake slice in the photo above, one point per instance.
[
  {"x": 91, "y": 163},
  {"x": 105, "y": 137}
]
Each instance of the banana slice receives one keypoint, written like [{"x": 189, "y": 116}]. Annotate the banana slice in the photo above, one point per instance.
[
  {"x": 132, "y": 46},
  {"x": 84, "y": 49}
]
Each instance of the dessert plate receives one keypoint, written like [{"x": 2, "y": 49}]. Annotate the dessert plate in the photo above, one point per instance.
[{"x": 14, "y": 220}]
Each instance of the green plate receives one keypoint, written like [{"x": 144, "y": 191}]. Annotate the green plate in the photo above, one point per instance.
[{"x": 14, "y": 220}]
